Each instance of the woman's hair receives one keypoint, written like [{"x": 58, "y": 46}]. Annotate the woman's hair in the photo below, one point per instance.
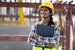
[
  {"x": 50, "y": 17},
  {"x": 51, "y": 21}
]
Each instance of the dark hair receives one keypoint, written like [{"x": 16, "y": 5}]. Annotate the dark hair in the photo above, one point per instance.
[
  {"x": 51, "y": 18},
  {"x": 51, "y": 21}
]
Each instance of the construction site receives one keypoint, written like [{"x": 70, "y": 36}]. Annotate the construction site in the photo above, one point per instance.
[{"x": 18, "y": 16}]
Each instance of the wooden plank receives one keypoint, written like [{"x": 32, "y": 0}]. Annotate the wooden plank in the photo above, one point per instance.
[
  {"x": 13, "y": 38},
  {"x": 20, "y": 4},
  {"x": 15, "y": 16},
  {"x": 17, "y": 38},
  {"x": 9, "y": 22},
  {"x": 34, "y": 5}
]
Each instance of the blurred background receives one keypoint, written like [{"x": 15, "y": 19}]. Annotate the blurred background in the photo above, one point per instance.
[{"x": 18, "y": 16}]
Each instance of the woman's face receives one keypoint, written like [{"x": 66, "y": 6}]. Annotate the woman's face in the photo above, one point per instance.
[{"x": 44, "y": 12}]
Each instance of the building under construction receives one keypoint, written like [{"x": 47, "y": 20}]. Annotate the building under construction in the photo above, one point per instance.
[{"x": 17, "y": 17}]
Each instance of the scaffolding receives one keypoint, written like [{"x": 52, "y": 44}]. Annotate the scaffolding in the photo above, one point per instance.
[{"x": 66, "y": 38}]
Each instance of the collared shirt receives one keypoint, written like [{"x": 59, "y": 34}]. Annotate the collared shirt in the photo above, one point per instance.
[{"x": 42, "y": 40}]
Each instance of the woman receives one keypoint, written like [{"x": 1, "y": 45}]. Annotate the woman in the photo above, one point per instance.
[{"x": 39, "y": 39}]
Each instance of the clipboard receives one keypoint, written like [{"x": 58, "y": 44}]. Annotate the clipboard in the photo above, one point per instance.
[{"x": 45, "y": 31}]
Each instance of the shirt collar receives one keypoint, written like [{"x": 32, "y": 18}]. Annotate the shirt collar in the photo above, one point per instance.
[{"x": 42, "y": 23}]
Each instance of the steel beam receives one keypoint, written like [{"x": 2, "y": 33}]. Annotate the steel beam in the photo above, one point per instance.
[{"x": 34, "y": 5}]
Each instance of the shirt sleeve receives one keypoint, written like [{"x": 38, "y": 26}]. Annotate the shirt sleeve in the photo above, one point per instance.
[
  {"x": 56, "y": 37},
  {"x": 31, "y": 39}
]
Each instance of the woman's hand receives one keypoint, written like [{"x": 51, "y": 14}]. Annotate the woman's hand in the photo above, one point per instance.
[
  {"x": 36, "y": 36},
  {"x": 50, "y": 45}
]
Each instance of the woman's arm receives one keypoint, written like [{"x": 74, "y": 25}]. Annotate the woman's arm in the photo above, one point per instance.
[
  {"x": 31, "y": 39},
  {"x": 52, "y": 41},
  {"x": 56, "y": 35},
  {"x": 33, "y": 36}
]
